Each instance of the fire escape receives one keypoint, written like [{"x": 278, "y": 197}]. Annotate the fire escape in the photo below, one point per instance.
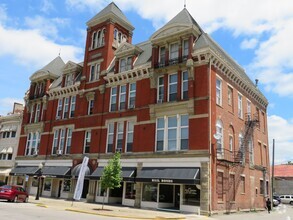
[{"x": 237, "y": 160}]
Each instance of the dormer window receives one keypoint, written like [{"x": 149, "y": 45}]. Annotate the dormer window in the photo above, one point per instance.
[
  {"x": 69, "y": 80},
  {"x": 162, "y": 56},
  {"x": 125, "y": 64},
  {"x": 185, "y": 49},
  {"x": 174, "y": 52}
]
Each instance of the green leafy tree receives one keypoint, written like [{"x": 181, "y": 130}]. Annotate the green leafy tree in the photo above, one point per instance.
[{"x": 111, "y": 177}]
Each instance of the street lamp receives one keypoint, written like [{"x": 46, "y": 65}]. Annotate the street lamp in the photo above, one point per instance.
[{"x": 39, "y": 176}]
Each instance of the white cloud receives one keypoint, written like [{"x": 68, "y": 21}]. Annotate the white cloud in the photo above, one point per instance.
[
  {"x": 6, "y": 104},
  {"x": 249, "y": 44},
  {"x": 47, "y": 6},
  {"x": 31, "y": 48},
  {"x": 281, "y": 130},
  {"x": 3, "y": 15}
]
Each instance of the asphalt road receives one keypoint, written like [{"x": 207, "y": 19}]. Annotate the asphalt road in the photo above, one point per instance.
[{"x": 29, "y": 211}]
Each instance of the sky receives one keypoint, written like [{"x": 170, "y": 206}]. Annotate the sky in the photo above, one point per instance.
[{"x": 256, "y": 34}]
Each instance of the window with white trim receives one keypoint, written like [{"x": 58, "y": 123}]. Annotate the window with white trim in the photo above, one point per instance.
[
  {"x": 32, "y": 143},
  {"x": 110, "y": 138},
  {"x": 62, "y": 141},
  {"x": 132, "y": 95},
  {"x": 125, "y": 64},
  {"x": 249, "y": 110},
  {"x": 94, "y": 40},
  {"x": 87, "y": 142},
  {"x": 219, "y": 91},
  {"x": 174, "y": 52},
  {"x": 251, "y": 151},
  {"x": 72, "y": 106},
  {"x": 220, "y": 141},
  {"x": 231, "y": 145},
  {"x": 66, "y": 107},
  {"x": 55, "y": 141},
  {"x": 90, "y": 107},
  {"x": 129, "y": 136},
  {"x": 160, "y": 89},
  {"x": 172, "y": 133},
  {"x": 185, "y": 49},
  {"x": 122, "y": 97},
  {"x": 240, "y": 107},
  {"x": 68, "y": 141},
  {"x": 184, "y": 87},
  {"x": 38, "y": 110},
  {"x": 95, "y": 72},
  {"x": 113, "y": 100},
  {"x": 162, "y": 56},
  {"x": 32, "y": 113},
  {"x": 59, "y": 108},
  {"x": 173, "y": 80},
  {"x": 119, "y": 136},
  {"x": 230, "y": 96},
  {"x": 69, "y": 79},
  {"x": 241, "y": 147}
]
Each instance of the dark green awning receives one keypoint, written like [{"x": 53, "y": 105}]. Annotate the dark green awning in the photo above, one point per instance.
[
  {"x": 24, "y": 170},
  {"x": 56, "y": 171},
  {"x": 128, "y": 173}
]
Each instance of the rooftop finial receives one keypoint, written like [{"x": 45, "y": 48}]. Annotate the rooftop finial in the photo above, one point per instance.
[
  {"x": 59, "y": 52},
  {"x": 184, "y": 3}
]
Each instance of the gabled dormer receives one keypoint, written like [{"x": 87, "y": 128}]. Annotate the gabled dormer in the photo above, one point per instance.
[
  {"x": 172, "y": 44},
  {"x": 125, "y": 57},
  {"x": 70, "y": 73}
]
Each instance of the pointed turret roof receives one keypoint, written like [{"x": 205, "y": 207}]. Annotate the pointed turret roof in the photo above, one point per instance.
[
  {"x": 115, "y": 13},
  {"x": 52, "y": 69}
]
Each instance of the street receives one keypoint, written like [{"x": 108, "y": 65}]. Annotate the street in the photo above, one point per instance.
[{"x": 29, "y": 211}]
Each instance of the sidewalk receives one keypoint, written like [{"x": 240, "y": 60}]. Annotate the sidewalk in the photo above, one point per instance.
[{"x": 110, "y": 210}]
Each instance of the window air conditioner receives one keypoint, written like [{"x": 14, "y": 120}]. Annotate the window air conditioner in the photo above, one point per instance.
[
  {"x": 160, "y": 101},
  {"x": 59, "y": 152},
  {"x": 119, "y": 150},
  {"x": 131, "y": 106}
]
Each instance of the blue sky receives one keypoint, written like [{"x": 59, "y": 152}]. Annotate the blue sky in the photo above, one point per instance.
[{"x": 257, "y": 34}]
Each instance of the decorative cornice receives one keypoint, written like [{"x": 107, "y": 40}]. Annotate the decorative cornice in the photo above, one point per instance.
[
  {"x": 138, "y": 73},
  {"x": 64, "y": 91}
]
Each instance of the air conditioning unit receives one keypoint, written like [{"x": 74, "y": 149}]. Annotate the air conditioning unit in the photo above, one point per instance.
[
  {"x": 160, "y": 101},
  {"x": 57, "y": 117},
  {"x": 131, "y": 106},
  {"x": 36, "y": 153},
  {"x": 59, "y": 152},
  {"x": 119, "y": 150}
]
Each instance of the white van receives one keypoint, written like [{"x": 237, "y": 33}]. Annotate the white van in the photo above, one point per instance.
[{"x": 287, "y": 199}]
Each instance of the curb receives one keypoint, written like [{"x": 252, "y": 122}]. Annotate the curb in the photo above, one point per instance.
[{"x": 123, "y": 216}]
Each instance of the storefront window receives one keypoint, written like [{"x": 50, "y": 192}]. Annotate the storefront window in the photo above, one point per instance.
[
  {"x": 191, "y": 195},
  {"x": 100, "y": 191},
  {"x": 130, "y": 191},
  {"x": 149, "y": 192},
  {"x": 47, "y": 185},
  {"x": 66, "y": 185},
  {"x": 166, "y": 193},
  {"x": 116, "y": 192},
  {"x": 19, "y": 181},
  {"x": 35, "y": 183}
]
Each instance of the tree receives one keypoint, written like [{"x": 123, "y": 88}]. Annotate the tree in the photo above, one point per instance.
[{"x": 111, "y": 177}]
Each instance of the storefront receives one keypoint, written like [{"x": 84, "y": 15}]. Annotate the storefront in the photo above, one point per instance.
[{"x": 170, "y": 188}]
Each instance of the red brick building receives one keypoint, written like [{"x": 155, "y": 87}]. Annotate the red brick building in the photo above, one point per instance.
[{"x": 190, "y": 125}]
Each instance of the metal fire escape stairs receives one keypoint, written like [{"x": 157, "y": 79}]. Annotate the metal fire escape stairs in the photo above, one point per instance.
[{"x": 237, "y": 160}]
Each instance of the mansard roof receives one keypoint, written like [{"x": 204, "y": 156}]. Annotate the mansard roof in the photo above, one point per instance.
[
  {"x": 111, "y": 12},
  {"x": 51, "y": 70},
  {"x": 182, "y": 23}
]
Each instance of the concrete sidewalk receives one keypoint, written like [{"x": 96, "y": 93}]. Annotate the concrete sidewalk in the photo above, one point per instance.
[{"x": 109, "y": 210}]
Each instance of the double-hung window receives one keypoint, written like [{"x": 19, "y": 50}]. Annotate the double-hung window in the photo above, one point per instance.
[
  {"x": 125, "y": 64},
  {"x": 219, "y": 132},
  {"x": 110, "y": 138},
  {"x": 59, "y": 109},
  {"x": 90, "y": 107},
  {"x": 122, "y": 97},
  {"x": 55, "y": 141},
  {"x": 68, "y": 141},
  {"x": 66, "y": 107},
  {"x": 119, "y": 139},
  {"x": 185, "y": 49},
  {"x": 173, "y": 81},
  {"x": 219, "y": 91},
  {"x": 32, "y": 113},
  {"x": 62, "y": 141},
  {"x": 33, "y": 143},
  {"x": 249, "y": 110},
  {"x": 113, "y": 99},
  {"x": 184, "y": 87},
  {"x": 132, "y": 94},
  {"x": 95, "y": 72},
  {"x": 69, "y": 78},
  {"x": 172, "y": 133},
  {"x": 160, "y": 89},
  {"x": 38, "y": 110},
  {"x": 174, "y": 53},
  {"x": 94, "y": 40},
  {"x": 129, "y": 137},
  {"x": 87, "y": 142},
  {"x": 72, "y": 106},
  {"x": 240, "y": 107},
  {"x": 162, "y": 60},
  {"x": 230, "y": 96}
]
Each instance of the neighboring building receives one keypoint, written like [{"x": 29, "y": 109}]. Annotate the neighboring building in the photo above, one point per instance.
[
  {"x": 190, "y": 125},
  {"x": 9, "y": 137},
  {"x": 283, "y": 179}
]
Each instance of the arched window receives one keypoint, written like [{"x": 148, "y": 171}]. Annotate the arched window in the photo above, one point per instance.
[
  {"x": 102, "y": 40},
  {"x": 119, "y": 37},
  {"x": 231, "y": 138},
  {"x": 98, "y": 38},
  {"x": 220, "y": 138},
  {"x": 115, "y": 34},
  {"x": 94, "y": 36}
]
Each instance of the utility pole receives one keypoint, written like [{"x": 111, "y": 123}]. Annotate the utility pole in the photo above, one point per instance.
[{"x": 273, "y": 169}]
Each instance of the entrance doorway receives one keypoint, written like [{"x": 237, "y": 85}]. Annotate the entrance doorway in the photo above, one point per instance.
[
  {"x": 169, "y": 197},
  {"x": 59, "y": 189}
]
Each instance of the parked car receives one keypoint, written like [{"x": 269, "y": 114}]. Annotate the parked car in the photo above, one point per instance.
[
  {"x": 13, "y": 193},
  {"x": 287, "y": 199},
  {"x": 275, "y": 202},
  {"x": 277, "y": 198}
]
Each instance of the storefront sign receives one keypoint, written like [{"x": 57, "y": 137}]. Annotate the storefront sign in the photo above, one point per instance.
[{"x": 162, "y": 181}]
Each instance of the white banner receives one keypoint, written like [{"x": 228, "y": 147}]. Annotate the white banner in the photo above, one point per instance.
[{"x": 79, "y": 184}]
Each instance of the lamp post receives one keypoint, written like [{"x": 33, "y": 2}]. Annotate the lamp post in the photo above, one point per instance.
[{"x": 39, "y": 176}]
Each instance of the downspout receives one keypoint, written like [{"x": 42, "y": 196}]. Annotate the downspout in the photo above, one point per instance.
[{"x": 210, "y": 141}]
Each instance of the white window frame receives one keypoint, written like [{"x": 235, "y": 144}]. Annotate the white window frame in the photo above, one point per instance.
[
  {"x": 90, "y": 108},
  {"x": 95, "y": 70},
  {"x": 94, "y": 40},
  {"x": 113, "y": 99},
  {"x": 61, "y": 140},
  {"x": 68, "y": 141},
  {"x": 162, "y": 56},
  {"x": 122, "y": 95},
  {"x": 231, "y": 142},
  {"x": 249, "y": 115},
  {"x": 110, "y": 134},
  {"x": 69, "y": 78},
  {"x": 183, "y": 82},
  {"x": 55, "y": 143},
  {"x": 32, "y": 113},
  {"x": 160, "y": 97},
  {"x": 132, "y": 95},
  {"x": 185, "y": 48},
  {"x": 240, "y": 106},
  {"x": 130, "y": 131},
  {"x": 119, "y": 135},
  {"x": 37, "y": 114},
  {"x": 171, "y": 84},
  {"x": 59, "y": 108},
  {"x": 87, "y": 139},
  {"x": 219, "y": 91},
  {"x": 230, "y": 96},
  {"x": 220, "y": 141},
  {"x": 174, "y": 52},
  {"x": 66, "y": 107},
  {"x": 72, "y": 106}
]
